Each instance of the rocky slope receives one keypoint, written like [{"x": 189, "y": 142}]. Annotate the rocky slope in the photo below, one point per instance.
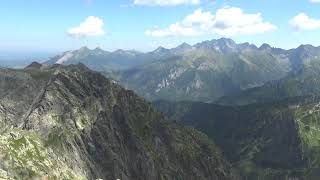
[
  {"x": 301, "y": 82},
  {"x": 207, "y": 71},
  {"x": 69, "y": 122},
  {"x": 278, "y": 140}
]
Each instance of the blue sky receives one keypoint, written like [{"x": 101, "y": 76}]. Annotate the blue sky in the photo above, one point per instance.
[{"x": 55, "y": 25}]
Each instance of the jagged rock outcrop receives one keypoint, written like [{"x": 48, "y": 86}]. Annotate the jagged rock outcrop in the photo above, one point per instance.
[{"x": 68, "y": 122}]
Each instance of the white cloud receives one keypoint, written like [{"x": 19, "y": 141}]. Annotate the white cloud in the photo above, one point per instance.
[
  {"x": 166, "y": 2},
  {"x": 228, "y": 21},
  {"x": 315, "y": 1},
  {"x": 233, "y": 21},
  {"x": 303, "y": 22},
  {"x": 174, "y": 30},
  {"x": 91, "y": 26}
]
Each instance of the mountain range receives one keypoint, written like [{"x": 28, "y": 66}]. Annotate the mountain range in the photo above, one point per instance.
[
  {"x": 101, "y": 60},
  {"x": 220, "y": 110},
  {"x": 206, "y": 71},
  {"x": 69, "y": 122},
  {"x": 301, "y": 82}
]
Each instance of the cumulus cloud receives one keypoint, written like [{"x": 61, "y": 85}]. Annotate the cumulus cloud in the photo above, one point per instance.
[
  {"x": 315, "y": 1},
  {"x": 174, "y": 30},
  {"x": 91, "y": 26},
  {"x": 303, "y": 22},
  {"x": 165, "y": 2},
  {"x": 229, "y": 21}
]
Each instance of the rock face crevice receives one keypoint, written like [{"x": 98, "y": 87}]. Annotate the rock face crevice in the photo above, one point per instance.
[{"x": 88, "y": 127}]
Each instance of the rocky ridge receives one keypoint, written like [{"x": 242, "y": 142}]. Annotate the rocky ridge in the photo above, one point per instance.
[{"x": 68, "y": 122}]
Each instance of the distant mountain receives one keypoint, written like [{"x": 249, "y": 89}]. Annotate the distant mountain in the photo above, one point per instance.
[
  {"x": 222, "y": 45},
  {"x": 206, "y": 71},
  {"x": 99, "y": 59},
  {"x": 303, "y": 80},
  {"x": 278, "y": 140},
  {"x": 68, "y": 122},
  {"x": 302, "y": 55},
  {"x": 181, "y": 48}
]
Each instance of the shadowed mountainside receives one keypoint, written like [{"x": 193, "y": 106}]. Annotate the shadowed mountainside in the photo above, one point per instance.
[{"x": 276, "y": 140}]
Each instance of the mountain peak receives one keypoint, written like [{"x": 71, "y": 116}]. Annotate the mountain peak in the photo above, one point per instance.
[
  {"x": 225, "y": 40},
  {"x": 265, "y": 46},
  {"x": 160, "y": 49},
  {"x": 223, "y": 45},
  {"x": 306, "y": 46},
  {"x": 84, "y": 48},
  {"x": 98, "y": 49},
  {"x": 34, "y": 65},
  {"x": 182, "y": 47},
  {"x": 247, "y": 45},
  {"x": 121, "y": 51}
]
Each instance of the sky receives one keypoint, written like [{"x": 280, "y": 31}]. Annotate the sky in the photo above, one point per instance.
[{"x": 61, "y": 25}]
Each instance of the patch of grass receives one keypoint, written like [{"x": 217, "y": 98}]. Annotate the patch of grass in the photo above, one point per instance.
[{"x": 25, "y": 156}]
